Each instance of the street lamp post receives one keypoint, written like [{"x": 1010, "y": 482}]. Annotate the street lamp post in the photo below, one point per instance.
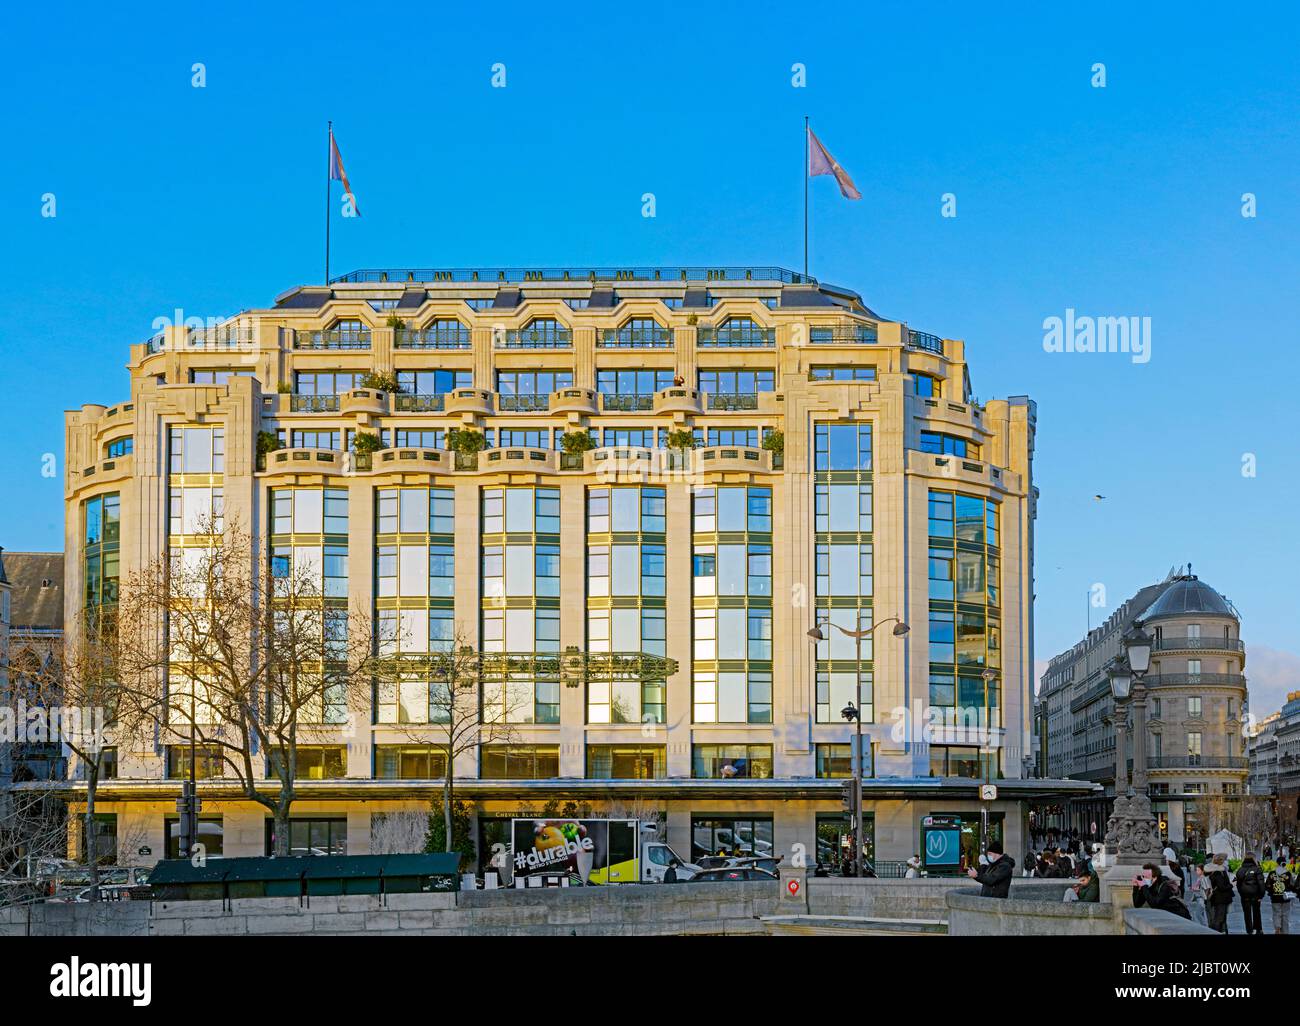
[
  {"x": 1132, "y": 833},
  {"x": 852, "y": 712},
  {"x": 988, "y": 676}
]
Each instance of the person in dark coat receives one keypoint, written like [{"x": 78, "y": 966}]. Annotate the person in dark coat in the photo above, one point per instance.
[
  {"x": 1250, "y": 889},
  {"x": 1155, "y": 890},
  {"x": 670, "y": 874},
  {"x": 995, "y": 878}
]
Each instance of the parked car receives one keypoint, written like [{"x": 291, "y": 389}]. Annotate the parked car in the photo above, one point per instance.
[
  {"x": 767, "y": 863},
  {"x": 731, "y": 873}
]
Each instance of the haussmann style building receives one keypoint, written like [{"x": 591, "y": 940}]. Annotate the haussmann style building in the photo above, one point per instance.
[
  {"x": 843, "y": 471},
  {"x": 1196, "y": 697}
]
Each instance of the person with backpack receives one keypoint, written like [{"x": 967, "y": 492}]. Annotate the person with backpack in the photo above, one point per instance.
[
  {"x": 1154, "y": 889},
  {"x": 1219, "y": 895},
  {"x": 1278, "y": 885},
  {"x": 1250, "y": 889}
]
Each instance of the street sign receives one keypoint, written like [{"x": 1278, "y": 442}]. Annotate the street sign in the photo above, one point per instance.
[
  {"x": 941, "y": 841},
  {"x": 145, "y": 850},
  {"x": 988, "y": 792}
]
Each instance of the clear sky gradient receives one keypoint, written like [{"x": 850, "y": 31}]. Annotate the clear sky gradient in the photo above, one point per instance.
[{"x": 1114, "y": 202}]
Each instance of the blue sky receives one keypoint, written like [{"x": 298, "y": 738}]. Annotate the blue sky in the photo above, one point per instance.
[{"x": 1114, "y": 202}]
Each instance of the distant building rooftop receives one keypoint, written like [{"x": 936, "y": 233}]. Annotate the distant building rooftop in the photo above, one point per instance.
[{"x": 36, "y": 582}]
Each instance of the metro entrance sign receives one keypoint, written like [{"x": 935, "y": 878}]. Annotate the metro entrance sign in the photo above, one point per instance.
[{"x": 941, "y": 842}]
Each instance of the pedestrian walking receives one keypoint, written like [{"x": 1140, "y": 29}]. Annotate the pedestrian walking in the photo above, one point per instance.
[
  {"x": 1219, "y": 896},
  {"x": 995, "y": 877},
  {"x": 1278, "y": 886},
  {"x": 1250, "y": 889},
  {"x": 1196, "y": 892}
]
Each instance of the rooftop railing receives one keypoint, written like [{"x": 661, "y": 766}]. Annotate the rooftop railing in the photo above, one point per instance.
[
  {"x": 575, "y": 274},
  {"x": 847, "y": 334},
  {"x": 221, "y": 336},
  {"x": 925, "y": 342}
]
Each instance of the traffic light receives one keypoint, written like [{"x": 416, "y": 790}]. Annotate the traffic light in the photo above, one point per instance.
[{"x": 847, "y": 795}]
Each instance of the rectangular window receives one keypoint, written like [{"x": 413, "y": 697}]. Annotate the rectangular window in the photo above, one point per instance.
[
  {"x": 843, "y": 507},
  {"x": 312, "y": 762},
  {"x": 751, "y": 836},
  {"x": 318, "y": 836},
  {"x": 627, "y": 762},
  {"x": 842, "y": 446},
  {"x": 519, "y": 762},
  {"x": 726, "y": 762},
  {"x": 410, "y": 762}
]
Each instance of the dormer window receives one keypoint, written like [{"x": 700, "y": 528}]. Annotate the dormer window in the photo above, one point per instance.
[
  {"x": 539, "y": 333},
  {"x": 638, "y": 333},
  {"x": 741, "y": 332}
]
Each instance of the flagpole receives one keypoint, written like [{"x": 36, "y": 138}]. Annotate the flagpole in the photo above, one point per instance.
[
  {"x": 329, "y": 135},
  {"x": 805, "y": 195}
]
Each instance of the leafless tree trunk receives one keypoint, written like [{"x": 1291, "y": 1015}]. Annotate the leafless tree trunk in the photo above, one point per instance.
[{"x": 241, "y": 654}]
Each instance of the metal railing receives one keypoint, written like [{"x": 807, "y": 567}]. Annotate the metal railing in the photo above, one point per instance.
[
  {"x": 1190, "y": 644},
  {"x": 221, "y": 336},
  {"x": 733, "y": 400},
  {"x": 522, "y": 338},
  {"x": 849, "y": 334},
  {"x": 638, "y": 338},
  {"x": 523, "y": 403},
  {"x": 736, "y": 338},
  {"x": 575, "y": 274},
  {"x": 626, "y": 402},
  {"x": 420, "y": 403},
  {"x": 924, "y": 341},
  {"x": 332, "y": 338},
  {"x": 1195, "y": 761},
  {"x": 432, "y": 338},
  {"x": 313, "y": 403},
  {"x": 1157, "y": 680}
]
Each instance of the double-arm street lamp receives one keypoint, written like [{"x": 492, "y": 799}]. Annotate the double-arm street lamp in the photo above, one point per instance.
[
  {"x": 853, "y": 713},
  {"x": 1132, "y": 833}
]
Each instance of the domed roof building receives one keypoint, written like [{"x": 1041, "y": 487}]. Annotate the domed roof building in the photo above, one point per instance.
[
  {"x": 1195, "y": 698},
  {"x": 1188, "y": 596}
]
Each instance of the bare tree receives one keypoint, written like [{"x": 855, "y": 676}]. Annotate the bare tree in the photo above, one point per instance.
[
  {"x": 78, "y": 691},
  {"x": 243, "y": 655},
  {"x": 33, "y": 830},
  {"x": 470, "y": 704}
]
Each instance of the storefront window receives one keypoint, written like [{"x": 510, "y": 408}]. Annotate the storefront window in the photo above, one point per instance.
[{"x": 750, "y": 836}]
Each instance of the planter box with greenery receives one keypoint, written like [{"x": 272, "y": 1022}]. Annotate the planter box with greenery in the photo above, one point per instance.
[{"x": 466, "y": 443}]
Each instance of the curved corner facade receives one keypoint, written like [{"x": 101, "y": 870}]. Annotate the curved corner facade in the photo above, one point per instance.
[{"x": 842, "y": 469}]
